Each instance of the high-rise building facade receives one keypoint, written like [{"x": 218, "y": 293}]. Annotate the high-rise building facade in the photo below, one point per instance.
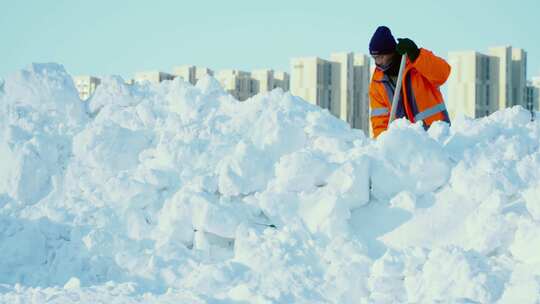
[
  {"x": 473, "y": 85},
  {"x": 152, "y": 76},
  {"x": 191, "y": 73},
  {"x": 346, "y": 84},
  {"x": 519, "y": 77},
  {"x": 362, "y": 79},
  {"x": 532, "y": 96},
  {"x": 317, "y": 81},
  {"x": 504, "y": 53},
  {"x": 263, "y": 80},
  {"x": 237, "y": 83},
  {"x": 512, "y": 75},
  {"x": 340, "y": 85},
  {"x": 282, "y": 80},
  {"x": 481, "y": 84},
  {"x": 86, "y": 85}
]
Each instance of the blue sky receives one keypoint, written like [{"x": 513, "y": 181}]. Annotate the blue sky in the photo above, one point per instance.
[{"x": 121, "y": 37}]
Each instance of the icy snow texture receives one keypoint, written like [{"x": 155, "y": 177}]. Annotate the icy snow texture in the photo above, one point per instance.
[{"x": 181, "y": 194}]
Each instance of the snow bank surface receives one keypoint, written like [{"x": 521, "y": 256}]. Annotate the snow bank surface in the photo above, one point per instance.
[{"x": 181, "y": 194}]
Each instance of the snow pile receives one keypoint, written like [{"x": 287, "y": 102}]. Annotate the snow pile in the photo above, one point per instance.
[{"x": 176, "y": 193}]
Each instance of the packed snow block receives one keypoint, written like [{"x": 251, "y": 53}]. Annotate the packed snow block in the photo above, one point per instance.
[
  {"x": 208, "y": 85},
  {"x": 175, "y": 221},
  {"x": 523, "y": 286},
  {"x": 405, "y": 158},
  {"x": 150, "y": 172},
  {"x": 188, "y": 211},
  {"x": 488, "y": 173},
  {"x": 279, "y": 207},
  {"x": 246, "y": 170},
  {"x": 350, "y": 182},
  {"x": 302, "y": 171},
  {"x": 115, "y": 94},
  {"x": 280, "y": 127},
  {"x": 348, "y": 270},
  {"x": 532, "y": 200},
  {"x": 386, "y": 279},
  {"x": 23, "y": 251},
  {"x": 487, "y": 230},
  {"x": 38, "y": 252},
  {"x": 132, "y": 107},
  {"x": 455, "y": 220},
  {"x": 15, "y": 177},
  {"x": 285, "y": 261},
  {"x": 515, "y": 117},
  {"x": 404, "y": 200},
  {"x": 526, "y": 245},
  {"x": 27, "y": 166},
  {"x": 324, "y": 213},
  {"x": 220, "y": 219},
  {"x": 193, "y": 104},
  {"x": 213, "y": 246},
  {"x": 439, "y": 131},
  {"x": 40, "y": 111},
  {"x": 110, "y": 147},
  {"x": 48, "y": 90},
  {"x": 185, "y": 101},
  {"x": 454, "y": 275},
  {"x": 510, "y": 124},
  {"x": 323, "y": 124},
  {"x": 327, "y": 208},
  {"x": 528, "y": 167}
]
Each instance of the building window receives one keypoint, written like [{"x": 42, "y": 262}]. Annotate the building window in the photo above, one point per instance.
[
  {"x": 329, "y": 67},
  {"x": 487, "y": 68},
  {"x": 487, "y": 95},
  {"x": 329, "y": 102}
]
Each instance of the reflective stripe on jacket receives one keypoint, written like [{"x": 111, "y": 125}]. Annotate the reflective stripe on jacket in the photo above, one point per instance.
[{"x": 420, "y": 97}]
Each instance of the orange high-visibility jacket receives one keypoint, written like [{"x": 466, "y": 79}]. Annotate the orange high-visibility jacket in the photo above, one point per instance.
[{"x": 420, "y": 97}]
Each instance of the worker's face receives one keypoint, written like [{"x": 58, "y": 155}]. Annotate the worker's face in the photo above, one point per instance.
[{"x": 383, "y": 60}]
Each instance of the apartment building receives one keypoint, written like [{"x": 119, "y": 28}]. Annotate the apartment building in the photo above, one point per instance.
[
  {"x": 339, "y": 85},
  {"x": 266, "y": 80},
  {"x": 263, "y": 80},
  {"x": 191, "y": 73},
  {"x": 362, "y": 78},
  {"x": 152, "y": 76},
  {"x": 86, "y": 85},
  {"x": 519, "y": 77},
  {"x": 512, "y": 75},
  {"x": 237, "y": 83},
  {"x": 481, "y": 84},
  {"x": 532, "y": 96},
  {"x": 317, "y": 81},
  {"x": 345, "y": 84},
  {"x": 282, "y": 80},
  {"x": 473, "y": 85}
]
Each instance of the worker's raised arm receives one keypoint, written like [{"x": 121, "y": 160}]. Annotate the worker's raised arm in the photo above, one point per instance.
[{"x": 435, "y": 69}]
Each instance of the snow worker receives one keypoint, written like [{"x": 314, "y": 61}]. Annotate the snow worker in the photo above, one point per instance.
[{"x": 420, "y": 98}]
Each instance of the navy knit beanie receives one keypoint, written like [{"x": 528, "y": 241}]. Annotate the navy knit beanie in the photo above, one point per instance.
[{"x": 382, "y": 42}]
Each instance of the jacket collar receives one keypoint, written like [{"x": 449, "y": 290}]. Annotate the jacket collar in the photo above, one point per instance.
[{"x": 380, "y": 76}]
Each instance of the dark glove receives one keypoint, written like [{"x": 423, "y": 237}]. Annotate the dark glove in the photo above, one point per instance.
[{"x": 407, "y": 46}]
